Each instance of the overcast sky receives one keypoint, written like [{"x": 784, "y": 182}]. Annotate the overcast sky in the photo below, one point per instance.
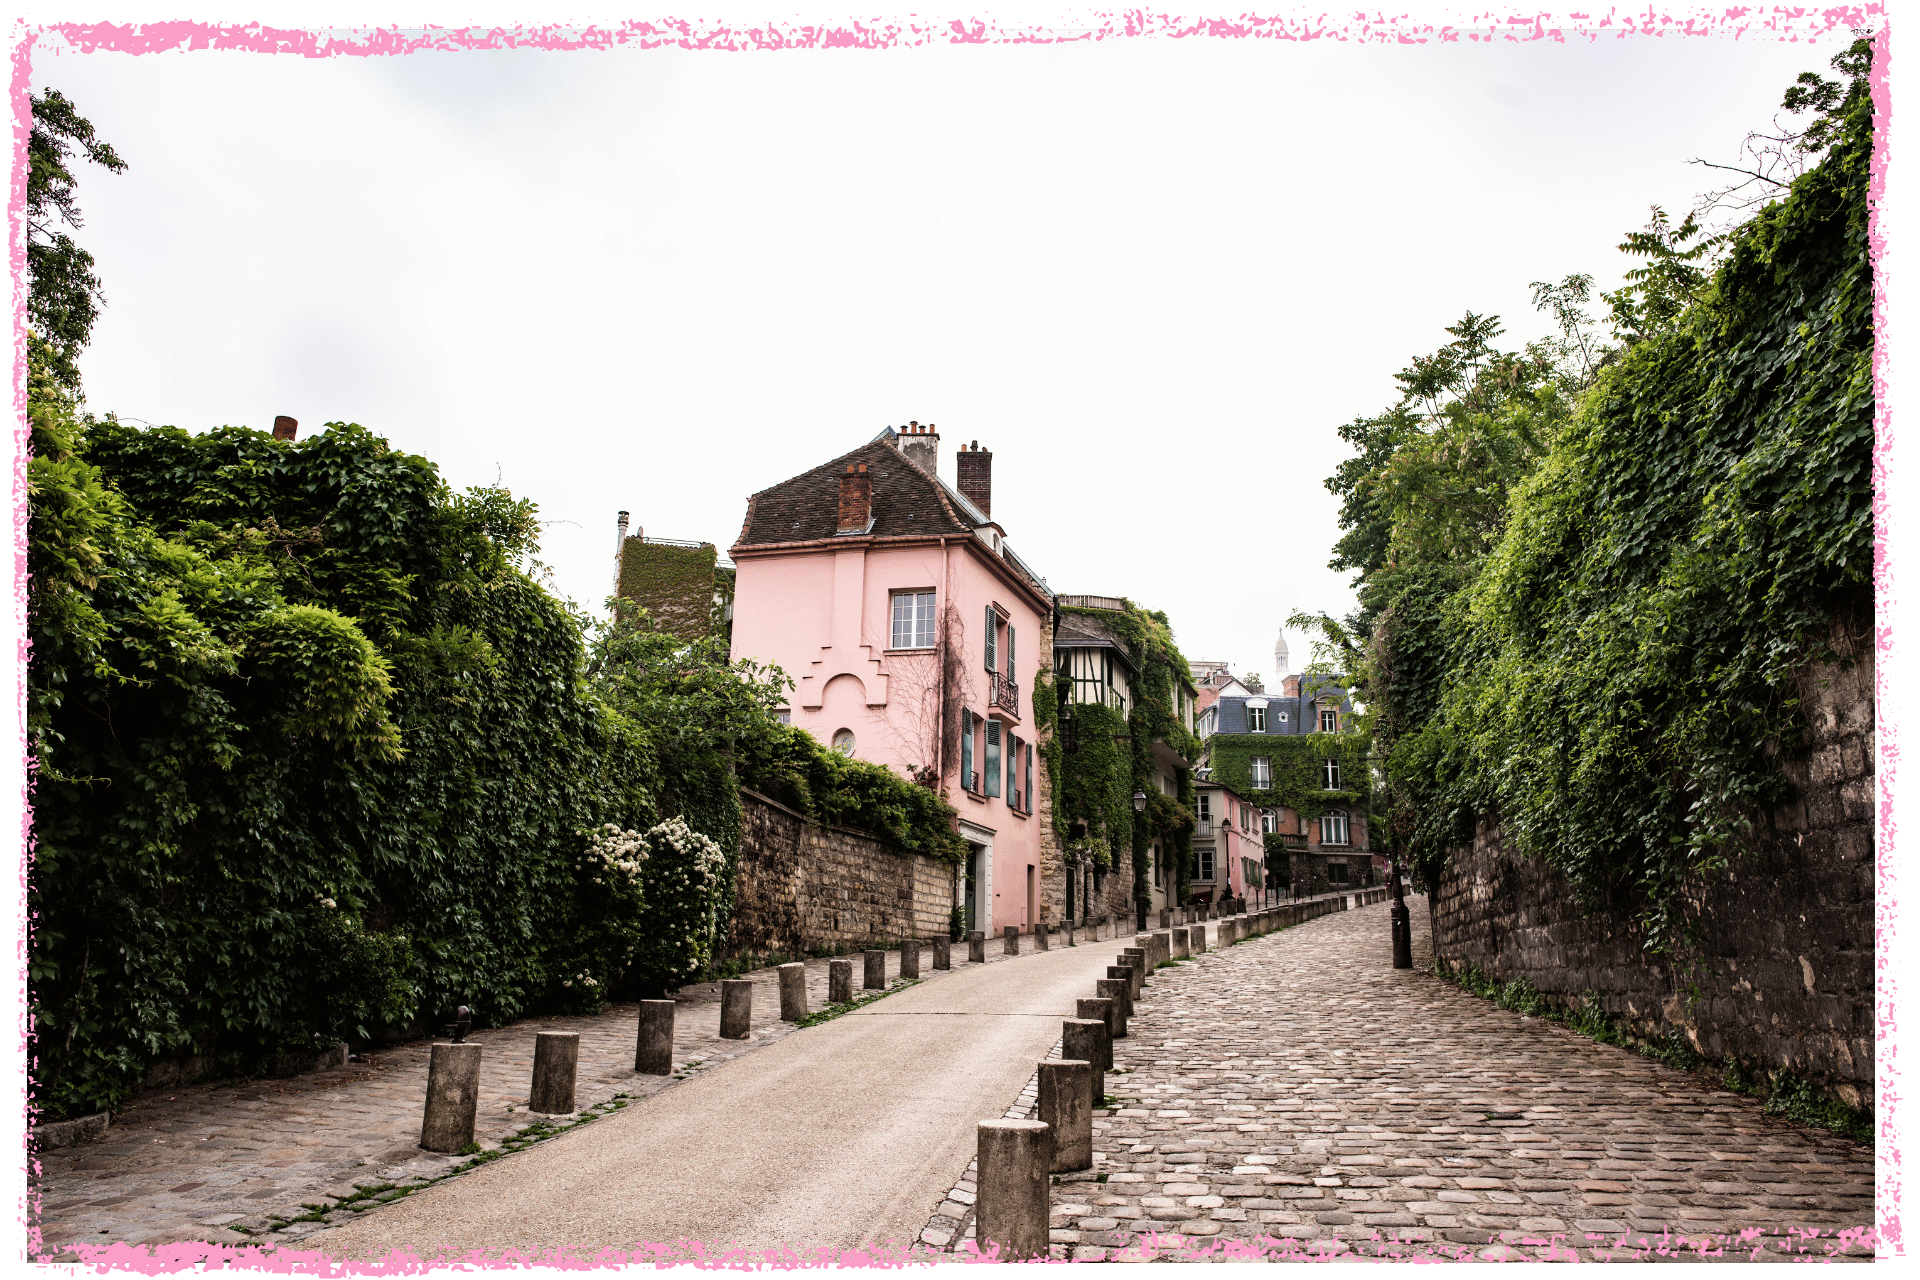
[{"x": 1153, "y": 276}]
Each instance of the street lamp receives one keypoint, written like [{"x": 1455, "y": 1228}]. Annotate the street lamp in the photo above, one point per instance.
[{"x": 1140, "y": 891}]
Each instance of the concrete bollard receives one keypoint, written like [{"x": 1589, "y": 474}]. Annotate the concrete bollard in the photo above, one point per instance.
[
  {"x": 1122, "y": 973},
  {"x": 453, "y": 1096},
  {"x": 793, "y": 992},
  {"x": 943, "y": 953},
  {"x": 736, "y": 1009},
  {"x": 1115, "y": 989},
  {"x": 1179, "y": 945},
  {"x": 839, "y": 981},
  {"x": 556, "y": 1063},
  {"x": 910, "y": 958},
  {"x": 1040, "y": 939},
  {"x": 1197, "y": 939},
  {"x": 1011, "y": 1204},
  {"x": 653, "y": 1051},
  {"x": 874, "y": 978},
  {"x": 1010, "y": 940},
  {"x": 1087, "y": 1038},
  {"x": 977, "y": 947},
  {"x": 1066, "y": 1107}
]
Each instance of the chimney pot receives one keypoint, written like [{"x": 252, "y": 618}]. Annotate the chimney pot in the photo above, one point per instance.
[
  {"x": 976, "y": 477},
  {"x": 921, "y": 445},
  {"x": 856, "y": 501},
  {"x": 285, "y": 428}
]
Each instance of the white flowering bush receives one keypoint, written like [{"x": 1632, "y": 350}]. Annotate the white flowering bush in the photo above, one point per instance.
[
  {"x": 610, "y": 898},
  {"x": 686, "y": 877}
]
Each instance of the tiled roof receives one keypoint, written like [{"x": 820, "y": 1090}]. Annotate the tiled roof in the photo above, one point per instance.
[{"x": 906, "y": 502}]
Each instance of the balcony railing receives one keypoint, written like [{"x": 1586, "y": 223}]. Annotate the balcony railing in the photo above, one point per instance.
[
  {"x": 1203, "y": 830},
  {"x": 1004, "y": 694},
  {"x": 1292, "y": 840}
]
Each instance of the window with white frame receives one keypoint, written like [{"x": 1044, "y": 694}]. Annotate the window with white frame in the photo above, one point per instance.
[
  {"x": 913, "y": 620},
  {"x": 1205, "y": 853},
  {"x": 1333, "y": 827},
  {"x": 1329, "y": 720},
  {"x": 1329, "y": 774},
  {"x": 1262, "y": 773},
  {"x": 1256, "y": 719},
  {"x": 1204, "y": 799},
  {"x": 1268, "y": 822}
]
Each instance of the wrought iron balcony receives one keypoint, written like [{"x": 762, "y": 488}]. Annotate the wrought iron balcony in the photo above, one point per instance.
[{"x": 1004, "y": 694}]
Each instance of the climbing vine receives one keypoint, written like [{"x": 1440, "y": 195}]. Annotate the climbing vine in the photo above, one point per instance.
[
  {"x": 1297, "y": 764},
  {"x": 1606, "y": 663}
]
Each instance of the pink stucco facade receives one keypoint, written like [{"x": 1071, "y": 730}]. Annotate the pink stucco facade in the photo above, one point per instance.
[{"x": 824, "y": 612}]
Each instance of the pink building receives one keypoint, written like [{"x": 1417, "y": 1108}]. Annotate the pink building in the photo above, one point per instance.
[{"x": 913, "y": 636}]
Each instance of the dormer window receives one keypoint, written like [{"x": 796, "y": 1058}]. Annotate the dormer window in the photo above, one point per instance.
[
  {"x": 1256, "y": 719},
  {"x": 1329, "y": 720}
]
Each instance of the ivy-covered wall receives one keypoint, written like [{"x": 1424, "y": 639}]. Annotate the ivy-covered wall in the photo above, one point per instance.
[
  {"x": 1107, "y": 758},
  {"x": 679, "y": 587},
  {"x": 1297, "y": 764}
]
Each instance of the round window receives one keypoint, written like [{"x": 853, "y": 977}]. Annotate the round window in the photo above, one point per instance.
[{"x": 843, "y": 742}]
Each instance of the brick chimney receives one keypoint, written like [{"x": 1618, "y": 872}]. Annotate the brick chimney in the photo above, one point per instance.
[
  {"x": 285, "y": 428},
  {"x": 856, "y": 500},
  {"x": 976, "y": 477},
  {"x": 922, "y": 446}
]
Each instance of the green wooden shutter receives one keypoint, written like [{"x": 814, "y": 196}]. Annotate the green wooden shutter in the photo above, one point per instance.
[
  {"x": 966, "y": 749},
  {"x": 991, "y": 664}
]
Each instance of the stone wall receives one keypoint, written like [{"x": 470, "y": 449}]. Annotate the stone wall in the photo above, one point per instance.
[
  {"x": 1787, "y": 929},
  {"x": 801, "y": 885}
]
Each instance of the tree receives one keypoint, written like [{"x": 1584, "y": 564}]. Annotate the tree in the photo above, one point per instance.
[{"x": 64, "y": 295}]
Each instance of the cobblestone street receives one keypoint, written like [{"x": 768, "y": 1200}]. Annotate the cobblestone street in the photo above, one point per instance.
[
  {"x": 221, "y": 1161},
  {"x": 1296, "y": 1087}
]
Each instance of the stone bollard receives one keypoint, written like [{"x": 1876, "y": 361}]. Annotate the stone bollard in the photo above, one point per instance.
[
  {"x": 736, "y": 1009},
  {"x": 1180, "y": 948},
  {"x": 1166, "y": 917},
  {"x": 874, "y": 978},
  {"x": 1115, "y": 989},
  {"x": 839, "y": 981},
  {"x": 453, "y": 1096},
  {"x": 1067, "y": 932},
  {"x": 793, "y": 992},
  {"x": 556, "y": 1061},
  {"x": 1099, "y": 1012},
  {"x": 1122, "y": 974},
  {"x": 1136, "y": 958},
  {"x": 1010, "y": 940},
  {"x": 1164, "y": 942},
  {"x": 910, "y": 958},
  {"x": 1086, "y": 1039},
  {"x": 1197, "y": 939},
  {"x": 977, "y": 947},
  {"x": 653, "y": 1052},
  {"x": 1066, "y": 1107},
  {"x": 1040, "y": 940},
  {"x": 1011, "y": 1203},
  {"x": 943, "y": 953}
]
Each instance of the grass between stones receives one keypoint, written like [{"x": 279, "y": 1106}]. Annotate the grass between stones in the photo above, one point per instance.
[
  {"x": 833, "y": 1011},
  {"x": 371, "y": 1195},
  {"x": 1787, "y": 1095}
]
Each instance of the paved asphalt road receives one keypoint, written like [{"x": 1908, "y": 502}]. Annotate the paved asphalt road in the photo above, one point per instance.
[{"x": 844, "y": 1135}]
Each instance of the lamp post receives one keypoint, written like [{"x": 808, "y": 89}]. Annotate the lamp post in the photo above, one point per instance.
[{"x": 1140, "y": 892}]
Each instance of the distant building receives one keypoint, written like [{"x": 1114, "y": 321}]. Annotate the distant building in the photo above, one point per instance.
[
  {"x": 914, "y": 635},
  {"x": 685, "y": 587}
]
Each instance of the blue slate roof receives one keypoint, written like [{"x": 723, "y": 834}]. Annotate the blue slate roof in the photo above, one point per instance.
[{"x": 1300, "y": 713}]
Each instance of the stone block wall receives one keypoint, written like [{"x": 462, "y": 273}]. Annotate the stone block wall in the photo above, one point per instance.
[
  {"x": 1787, "y": 962},
  {"x": 800, "y": 885}
]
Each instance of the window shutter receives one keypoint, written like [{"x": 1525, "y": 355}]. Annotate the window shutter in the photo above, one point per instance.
[
  {"x": 991, "y": 664},
  {"x": 993, "y": 758},
  {"x": 1029, "y": 791},
  {"x": 1013, "y": 672},
  {"x": 966, "y": 749}
]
